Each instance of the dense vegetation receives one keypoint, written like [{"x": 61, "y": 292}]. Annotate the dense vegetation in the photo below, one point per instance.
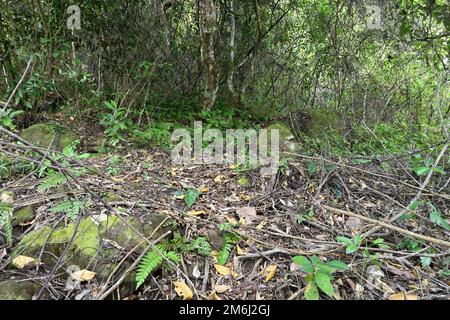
[{"x": 347, "y": 81}]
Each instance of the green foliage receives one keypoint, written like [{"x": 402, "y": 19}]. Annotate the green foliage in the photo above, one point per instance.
[
  {"x": 352, "y": 245},
  {"x": 71, "y": 207},
  {"x": 308, "y": 215},
  {"x": 116, "y": 123},
  {"x": 191, "y": 197},
  {"x": 319, "y": 275},
  {"x": 6, "y": 213},
  {"x": 7, "y": 117},
  {"x": 53, "y": 179},
  {"x": 230, "y": 240}
]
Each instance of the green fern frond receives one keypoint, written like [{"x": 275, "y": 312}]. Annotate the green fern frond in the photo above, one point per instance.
[
  {"x": 201, "y": 245},
  {"x": 53, "y": 179},
  {"x": 148, "y": 264},
  {"x": 225, "y": 252},
  {"x": 70, "y": 207}
]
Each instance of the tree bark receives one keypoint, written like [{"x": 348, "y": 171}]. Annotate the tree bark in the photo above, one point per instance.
[{"x": 207, "y": 11}]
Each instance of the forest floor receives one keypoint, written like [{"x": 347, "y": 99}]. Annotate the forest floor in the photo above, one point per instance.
[{"x": 300, "y": 211}]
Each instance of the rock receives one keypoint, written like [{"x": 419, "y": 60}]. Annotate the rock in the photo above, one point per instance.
[
  {"x": 23, "y": 215},
  {"x": 41, "y": 135},
  {"x": 14, "y": 290},
  {"x": 91, "y": 248},
  {"x": 7, "y": 197},
  {"x": 324, "y": 122},
  {"x": 287, "y": 141},
  {"x": 243, "y": 182}
]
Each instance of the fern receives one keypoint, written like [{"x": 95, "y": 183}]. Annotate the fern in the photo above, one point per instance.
[
  {"x": 148, "y": 264},
  {"x": 201, "y": 245},
  {"x": 70, "y": 207},
  {"x": 6, "y": 213},
  {"x": 225, "y": 252},
  {"x": 53, "y": 179}
]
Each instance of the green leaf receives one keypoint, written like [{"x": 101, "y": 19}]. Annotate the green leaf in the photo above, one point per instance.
[
  {"x": 323, "y": 281},
  {"x": 344, "y": 240},
  {"x": 304, "y": 263},
  {"x": 416, "y": 204},
  {"x": 190, "y": 197},
  {"x": 311, "y": 292},
  {"x": 422, "y": 170},
  {"x": 436, "y": 217},
  {"x": 425, "y": 261},
  {"x": 337, "y": 265},
  {"x": 351, "y": 249}
]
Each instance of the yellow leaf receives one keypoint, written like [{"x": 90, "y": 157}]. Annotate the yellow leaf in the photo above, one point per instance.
[
  {"x": 203, "y": 189},
  {"x": 225, "y": 271},
  {"x": 195, "y": 213},
  {"x": 239, "y": 251},
  {"x": 218, "y": 179},
  {"x": 21, "y": 262},
  {"x": 402, "y": 296},
  {"x": 261, "y": 225},
  {"x": 221, "y": 288},
  {"x": 270, "y": 271},
  {"x": 213, "y": 296},
  {"x": 183, "y": 290},
  {"x": 245, "y": 197},
  {"x": 83, "y": 275},
  {"x": 231, "y": 219}
]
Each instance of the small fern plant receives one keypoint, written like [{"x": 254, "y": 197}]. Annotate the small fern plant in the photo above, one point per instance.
[
  {"x": 6, "y": 227},
  {"x": 167, "y": 253},
  {"x": 71, "y": 207}
]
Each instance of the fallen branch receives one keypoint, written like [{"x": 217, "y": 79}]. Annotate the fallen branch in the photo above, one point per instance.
[{"x": 389, "y": 226}]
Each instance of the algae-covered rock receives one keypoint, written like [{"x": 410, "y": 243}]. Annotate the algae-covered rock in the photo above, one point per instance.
[
  {"x": 42, "y": 135},
  {"x": 15, "y": 290},
  {"x": 287, "y": 141},
  {"x": 23, "y": 215}
]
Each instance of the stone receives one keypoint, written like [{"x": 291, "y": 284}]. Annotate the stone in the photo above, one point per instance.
[
  {"x": 41, "y": 135},
  {"x": 287, "y": 139},
  {"x": 23, "y": 215},
  {"x": 15, "y": 290}
]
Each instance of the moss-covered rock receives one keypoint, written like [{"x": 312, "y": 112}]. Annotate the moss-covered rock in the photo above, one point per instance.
[
  {"x": 15, "y": 290},
  {"x": 42, "y": 135},
  {"x": 287, "y": 141},
  {"x": 23, "y": 215},
  {"x": 322, "y": 122}
]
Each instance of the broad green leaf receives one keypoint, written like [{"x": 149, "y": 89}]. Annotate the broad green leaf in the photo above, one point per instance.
[
  {"x": 191, "y": 197},
  {"x": 436, "y": 217},
  {"x": 311, "y": 292},
  {"x": 416, "y": 204},
  {"x": 422, "y": 170},
  {"x": 323, "y": 281},
  {"x": 316, "y": 261},
  {"x": 425, "y": 261},
  {"x": 337, "y": 265},
  {"x": 351, "y": 249},
  {"x": 345, "y": 240},
  {"x": 304, "y": 263}
]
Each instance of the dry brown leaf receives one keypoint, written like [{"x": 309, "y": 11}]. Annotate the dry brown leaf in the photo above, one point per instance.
[
  {"x": 183, "y": 290},
  {"x": 269, "y": 272},
  {"x": 83, "y": 275},
  {"x": 221, "y": 288},
  {"x": 203, "y": 189},
  {"x": 225, "y": 271},
  {"x": 195, "y": 212},
  {"x": 402, "y": 296},
  {"x": 22, "y": 262},
  {"x": 248, "y": 213}
]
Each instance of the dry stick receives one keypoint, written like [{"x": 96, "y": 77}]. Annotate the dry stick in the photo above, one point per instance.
[
  {"x": 388, "y": 226},
  {"x": 17, "y": 86},
  {"x": 133, "y": 265}
]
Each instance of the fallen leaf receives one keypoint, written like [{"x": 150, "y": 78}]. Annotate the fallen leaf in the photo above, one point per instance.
[
  {"x": 231, "y": 219},
  {"x": 203, "y": 189},
  {"x": 261, "y": 225},
  {"x": 218, "y": 179},
  {"x": 225, "y": 271},
  {"x": 183, "y": 290},
  {"x": 22, "y": 262},
  {"x": 195, "y": 212},
  {"x": 221, "y": 288},
  {"x": 213, "y": 296},
  {"x": 245, "y": 197},
  {"x": 269, "y": 272},
  {"x": 239, "y": 251},
  {"x": 402, "y": 296},
  {"x": 83, "y": 275},
  {"x": 248, "y": 213}
]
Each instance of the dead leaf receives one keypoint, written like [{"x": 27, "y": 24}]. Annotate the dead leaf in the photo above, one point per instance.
[
  {"x": 22, "y": 262},
  {"x": 183, "y": 290},
  {"x": 195, "y": 213},
  {"x": 261, "y": 225},
  {"x": 83, "y": 275},
  {"x": 222, "y": 288},
  {"x": 248, "y": 213},
  {"x": 219, "y": 178},
  {"x": 269, "y": 272},
  {"x": 231, "y": 219},
  {"x": 225, "y": 271},
  {"x": 239, "y": 251},
  {"x": 402, "y": 296},
  {"x": 245, "y": 197},
  {"x": 213, "y": 296},
  {"x": 203, "y": 189}
]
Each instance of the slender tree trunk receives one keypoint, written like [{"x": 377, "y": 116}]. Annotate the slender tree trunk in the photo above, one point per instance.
[{"x": 210, "y": 69}]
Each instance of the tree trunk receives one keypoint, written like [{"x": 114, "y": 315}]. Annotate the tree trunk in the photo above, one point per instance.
[{"x": 207, "y": 11}]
